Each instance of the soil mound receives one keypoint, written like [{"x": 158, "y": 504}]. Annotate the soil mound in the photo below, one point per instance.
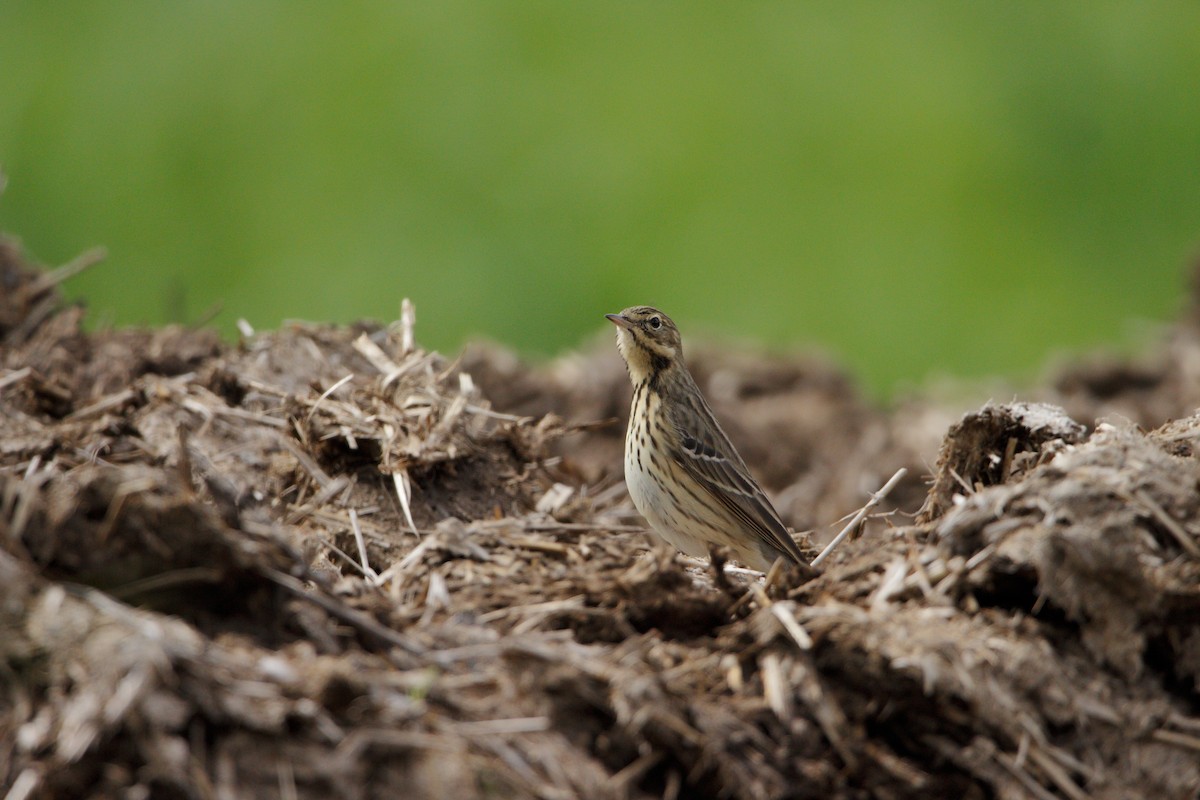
[{"x": 324, "y": 562}]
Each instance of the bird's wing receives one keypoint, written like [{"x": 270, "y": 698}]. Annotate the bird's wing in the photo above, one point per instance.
[{"x": 706, "y": 455}]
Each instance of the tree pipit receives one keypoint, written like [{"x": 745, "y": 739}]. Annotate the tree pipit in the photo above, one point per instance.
[{"x": 683, "y": 474}]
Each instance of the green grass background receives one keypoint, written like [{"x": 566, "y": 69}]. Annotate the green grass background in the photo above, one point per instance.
[{"x": 920, "y": 188}]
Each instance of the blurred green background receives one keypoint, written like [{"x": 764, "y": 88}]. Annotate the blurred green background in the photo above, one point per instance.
[{"x": 919, "y": 188}]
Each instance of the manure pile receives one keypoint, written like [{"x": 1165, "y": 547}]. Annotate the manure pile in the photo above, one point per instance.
[{"x": 324, "y": 562}]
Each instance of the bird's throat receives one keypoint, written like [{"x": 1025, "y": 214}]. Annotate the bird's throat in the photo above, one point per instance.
[{"x": 644, "y": 364}]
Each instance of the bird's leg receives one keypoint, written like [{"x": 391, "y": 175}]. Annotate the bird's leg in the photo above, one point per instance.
[{"x": 719, "y": 556}]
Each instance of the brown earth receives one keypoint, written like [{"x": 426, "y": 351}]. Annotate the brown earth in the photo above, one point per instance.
[{"x": 184, "y": 611}]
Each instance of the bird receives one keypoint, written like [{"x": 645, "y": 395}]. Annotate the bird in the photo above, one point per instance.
[{"x": 683, "y": 474}]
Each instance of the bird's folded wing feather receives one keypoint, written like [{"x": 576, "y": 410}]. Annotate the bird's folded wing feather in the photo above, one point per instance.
[{"x": 732, "y": 486}]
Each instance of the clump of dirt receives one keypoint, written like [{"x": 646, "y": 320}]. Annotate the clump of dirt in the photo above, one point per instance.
[
  {"x": 988, "y": 446},
  {"x": 325, "y": 562}
]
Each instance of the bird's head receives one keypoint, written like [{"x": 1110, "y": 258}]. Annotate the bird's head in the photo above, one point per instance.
[{"x": 648, "y": 340}]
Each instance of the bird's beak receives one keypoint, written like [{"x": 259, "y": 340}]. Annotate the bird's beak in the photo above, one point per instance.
[{"x": 619, "y": 321}]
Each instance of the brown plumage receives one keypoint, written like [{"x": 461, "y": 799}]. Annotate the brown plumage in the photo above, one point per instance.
[{"x": 684, "y": 475}]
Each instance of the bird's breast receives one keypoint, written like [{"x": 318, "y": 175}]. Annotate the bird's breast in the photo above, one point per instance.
[{"x": 644, "y": 465}]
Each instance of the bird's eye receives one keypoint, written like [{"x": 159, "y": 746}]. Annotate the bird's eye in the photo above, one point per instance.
[{"x": 655, "y": 323}]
